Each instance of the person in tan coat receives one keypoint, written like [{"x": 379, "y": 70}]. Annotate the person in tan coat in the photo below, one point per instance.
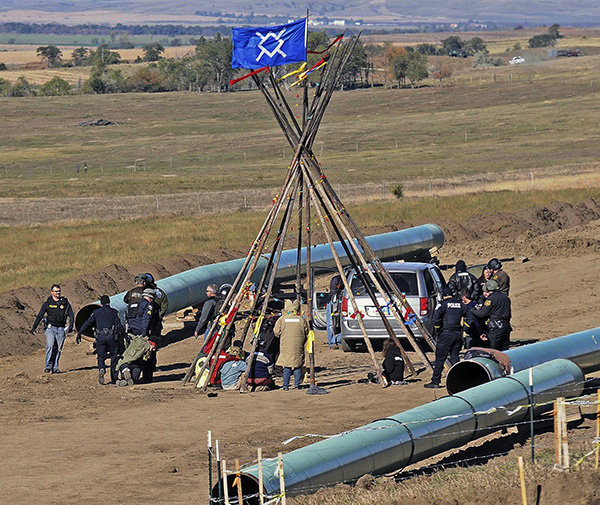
[{"x": 292, "y": 330}]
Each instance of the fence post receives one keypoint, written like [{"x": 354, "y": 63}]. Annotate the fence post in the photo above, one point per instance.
[
  {"x": 522, "y": 479},
  {"x": 281, "y": 478},
  {"x": 225, "y": 488},
  {"x": 261, "y": 496}
]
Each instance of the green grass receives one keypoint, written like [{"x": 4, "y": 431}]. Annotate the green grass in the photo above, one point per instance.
[
  {"x": 28, "y": 253},
  {"x": 546, "y": 117}
]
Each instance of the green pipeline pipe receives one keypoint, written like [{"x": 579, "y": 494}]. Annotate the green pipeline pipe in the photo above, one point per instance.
[
  {"x": 390, "y": 444},
  {"x": 583, "y": 348},
  {"x": 189, "y": 288}
]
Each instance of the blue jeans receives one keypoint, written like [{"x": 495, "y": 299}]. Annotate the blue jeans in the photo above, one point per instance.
[
  {"x": 287, "y": 373},
  {"x": 55, "y": 339},
  {"x": 331, "y": 338}
]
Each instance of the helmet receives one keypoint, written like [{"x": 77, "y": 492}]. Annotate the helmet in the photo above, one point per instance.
[
  {"x": 149, "y": 292},
  {"x": 491, "y": 286},
  {"x": 224, "y": 290},
  {"x": 149, "y": 278},
  {"x": 494, "y": 264}
]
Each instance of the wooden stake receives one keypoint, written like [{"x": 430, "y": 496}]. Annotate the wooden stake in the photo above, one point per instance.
[
  {"x": 522, "y": 479},
  {"x": 210, "y": 465},
  {"x": 225, "y": 488},
  {"x": 281, "y": 478},
  {"x": 261, "y": 496},
  {"x": 597, "y": 426},
  {"x": 238, "y": 481}
]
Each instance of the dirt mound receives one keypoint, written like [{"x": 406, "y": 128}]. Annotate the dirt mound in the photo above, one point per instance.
[
  {"x": 552, "y": 230},
  {"x": 508, "y": 226}
]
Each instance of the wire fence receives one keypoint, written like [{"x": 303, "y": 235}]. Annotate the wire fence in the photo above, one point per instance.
[
  {"x": 588, "y": 447},
  {"x": 18, "y": 212}
]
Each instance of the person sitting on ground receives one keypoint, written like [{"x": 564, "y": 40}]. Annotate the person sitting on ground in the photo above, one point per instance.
[
  {"x": 292, "y": 330},
  {"x": 233, "y": 370},
  {"x": 463, "y": 279},
  {"x": 393, "y": 363},
  {"x": 262, "y": 370}
]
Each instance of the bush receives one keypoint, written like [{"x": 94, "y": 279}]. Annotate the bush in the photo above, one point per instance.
[{"x": 398, "y": 190}]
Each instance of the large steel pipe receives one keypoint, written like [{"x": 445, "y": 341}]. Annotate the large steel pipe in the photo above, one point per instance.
[
  {"x": 403, "y": 439},
  {"x": 583, "y": 348},
  {"x": 188, "y": 288}
]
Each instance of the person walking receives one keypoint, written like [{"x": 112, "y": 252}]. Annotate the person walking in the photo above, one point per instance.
[
  {"x": 496, "y": 309},
  {"x": 447, "y": 321},
  {"x": 292, "y": 330},
  {"x": 59, "y": 322},
  {"x": 107, "y": 328}
]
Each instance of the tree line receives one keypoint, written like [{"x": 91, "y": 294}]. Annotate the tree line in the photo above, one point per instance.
[{"x": 208, "y": 68}]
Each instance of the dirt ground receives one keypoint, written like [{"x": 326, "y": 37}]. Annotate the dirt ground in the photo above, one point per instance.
[{"x": 66, "y": 439}]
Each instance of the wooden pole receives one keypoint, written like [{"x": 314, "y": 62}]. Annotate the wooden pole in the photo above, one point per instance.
[
  {"x": 210, "y": 465},
  {"x": 309, "y": 286},
  {"x": 357, "y": 313},
  {"x": 522, "y": 479},
  {"x": 238, "y": 482},
  {"x": 225, "y": 488},
  {"x": 281, "y": 478},
  {"x": 261, "y": 496},
  {"x": 597, "y": 426}
]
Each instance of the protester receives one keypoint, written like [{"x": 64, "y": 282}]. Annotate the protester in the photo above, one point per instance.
[
  {"x": 332, "y": 312},
  {"x": 207, "y": 313},
  {"x": 393, "y": 363},
  {"x": 233, "y": 370},
  {"x": 292, "y": 330},
  {"x": 59, "y": 322},
  {"x": 262, "y": 370}
]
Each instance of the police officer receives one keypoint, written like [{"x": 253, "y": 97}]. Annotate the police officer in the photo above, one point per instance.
[
  {"x": 496, "y": 309},
  {"x": 139, "y": 320},
  {"x": 462, "y": 279},
  {"x": 59, "y": 322},
  {"x": 499, "y": 275},
  {"x": 447, "y": 319},
  {"x": 135, "y": 294},
  {"x": 108, "y": 327}
]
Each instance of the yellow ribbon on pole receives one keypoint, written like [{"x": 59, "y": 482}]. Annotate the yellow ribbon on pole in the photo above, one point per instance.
[
  {"x": 310, "y": 342},
  {"x": 302, "y": 67},
  {"x": 258, "y": 325}
]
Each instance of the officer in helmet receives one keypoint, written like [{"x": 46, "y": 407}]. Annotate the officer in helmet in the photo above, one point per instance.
[
  {"x": 135, "y": 294},
  {"x": 499, "y": 275}
]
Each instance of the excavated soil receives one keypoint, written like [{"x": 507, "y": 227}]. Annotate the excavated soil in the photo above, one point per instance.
[{"x": 66, "y": 439}]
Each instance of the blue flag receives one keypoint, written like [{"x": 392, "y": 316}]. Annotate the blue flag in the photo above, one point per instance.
[{"x": 269, "y": 45}]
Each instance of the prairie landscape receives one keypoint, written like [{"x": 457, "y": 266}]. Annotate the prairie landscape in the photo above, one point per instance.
[{"x": 503, "y": 159}]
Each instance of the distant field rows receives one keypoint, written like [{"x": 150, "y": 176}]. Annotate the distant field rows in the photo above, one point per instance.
[{"x": 16, "y": 212}]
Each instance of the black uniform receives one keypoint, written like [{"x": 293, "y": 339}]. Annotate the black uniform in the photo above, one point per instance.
[
  {"x": 393, "y": 365},
  {"x": 465, "y": 280},
  {"x": 448, "y": 319},
  {"x": 57, "y": 313},
  {"x": 108, "y": 327},
  {"x": 496, "y": 309}
]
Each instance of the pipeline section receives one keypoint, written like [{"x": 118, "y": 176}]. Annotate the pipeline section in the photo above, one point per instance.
[
  {"x": 583, "y": 348},
  {"x": 390, "y": 444},
  {"x": 188, "y": 288}
]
